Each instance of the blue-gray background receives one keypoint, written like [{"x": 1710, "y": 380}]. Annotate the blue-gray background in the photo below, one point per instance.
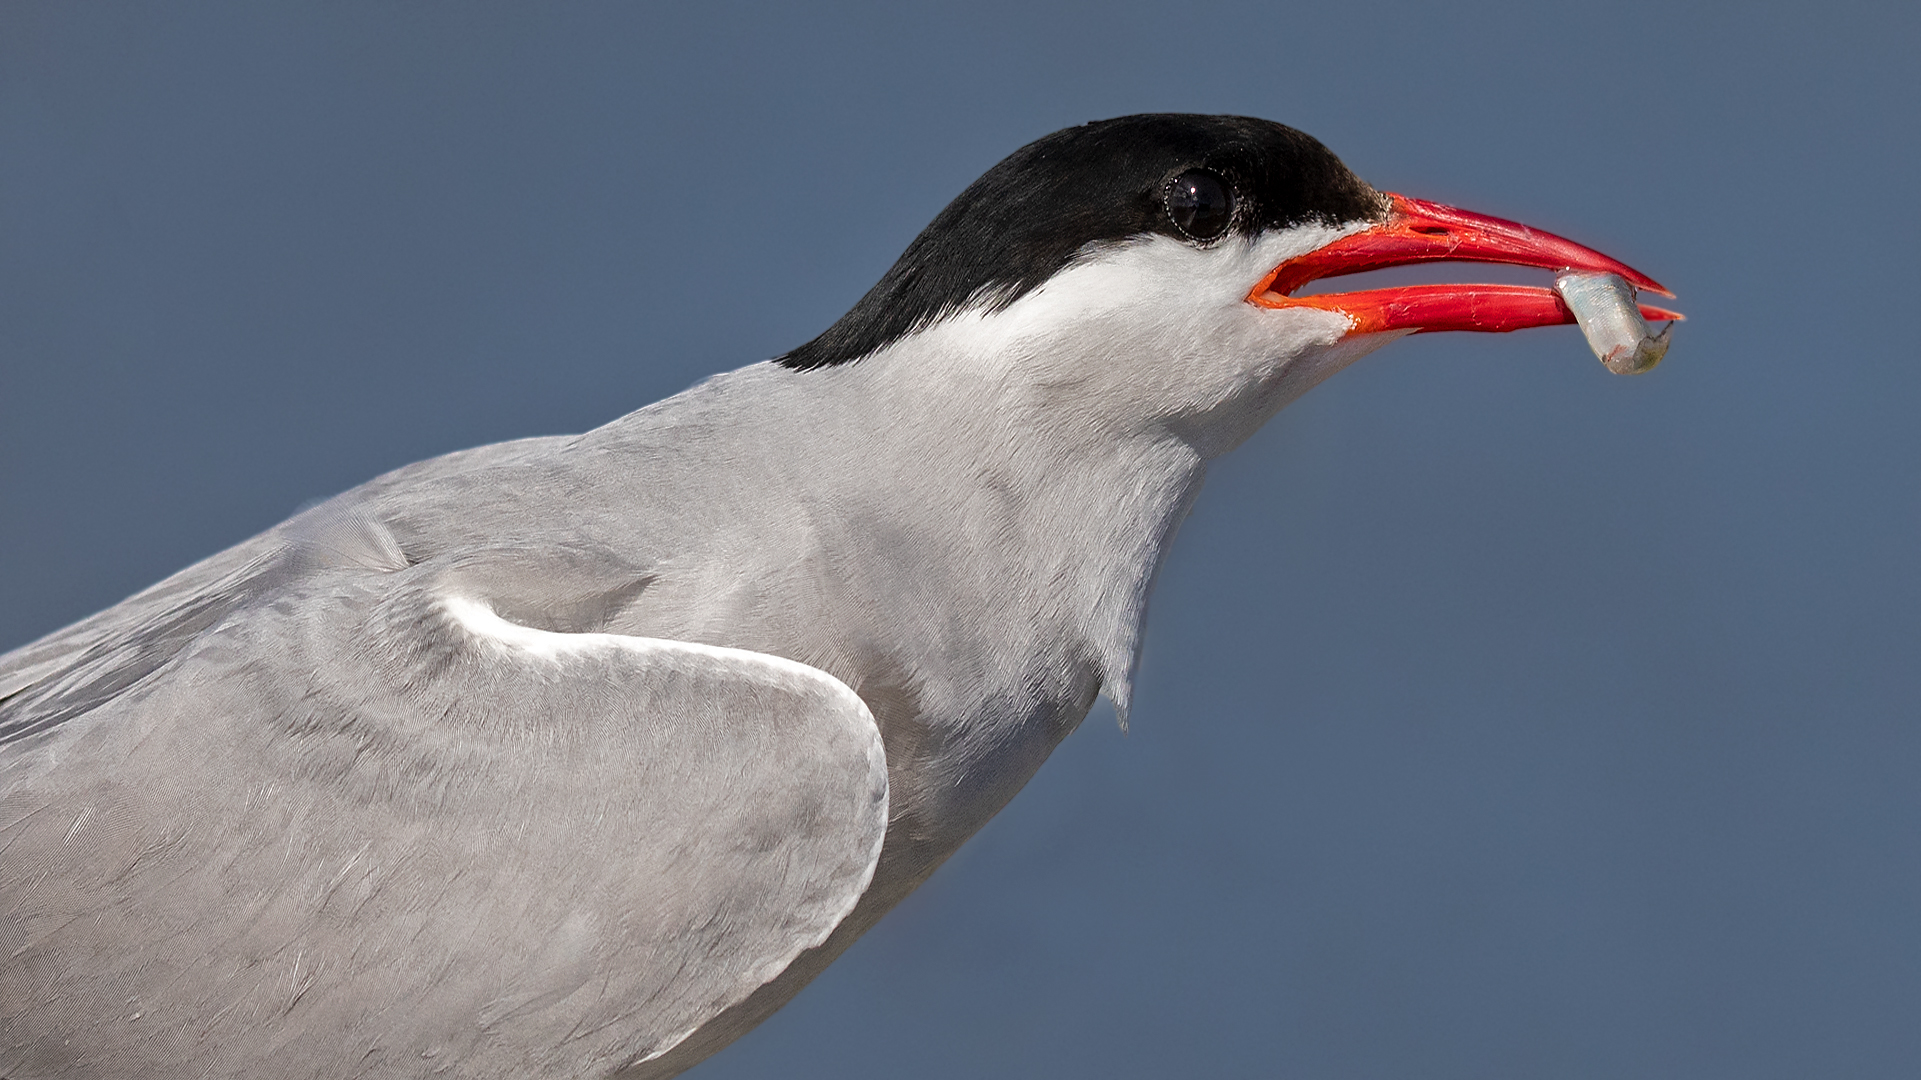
[{"x": 1499, "y": 717}]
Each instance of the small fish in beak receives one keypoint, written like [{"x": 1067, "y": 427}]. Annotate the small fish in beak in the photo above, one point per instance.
[{"x": 1605, "y": 308}]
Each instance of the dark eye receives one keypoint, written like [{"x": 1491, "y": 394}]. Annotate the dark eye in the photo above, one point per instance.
[{"x": 1200, "y": 204}]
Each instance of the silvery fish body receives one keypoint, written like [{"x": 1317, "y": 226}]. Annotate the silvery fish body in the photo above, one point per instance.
[{"x": 1605, "y": 308}]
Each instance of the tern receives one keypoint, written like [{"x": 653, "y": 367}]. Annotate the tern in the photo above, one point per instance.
[{"x": 578, "y": 756}]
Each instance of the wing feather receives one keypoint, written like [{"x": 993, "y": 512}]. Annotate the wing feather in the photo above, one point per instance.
[{"x": 373, "y": 827}]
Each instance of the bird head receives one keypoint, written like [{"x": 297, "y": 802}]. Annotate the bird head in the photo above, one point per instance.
[{"x": 1144, "y": 272}]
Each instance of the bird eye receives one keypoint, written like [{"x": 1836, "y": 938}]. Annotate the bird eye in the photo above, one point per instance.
[{"x": 1200, "y": 204}]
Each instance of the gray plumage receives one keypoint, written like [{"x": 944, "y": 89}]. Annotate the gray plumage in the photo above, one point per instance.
[{"x": 358, "y": 836}]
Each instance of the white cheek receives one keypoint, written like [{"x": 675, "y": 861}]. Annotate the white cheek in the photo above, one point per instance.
[
  {"x": 1166, "y": 327},
  {"x": 1144, "y": 333}
]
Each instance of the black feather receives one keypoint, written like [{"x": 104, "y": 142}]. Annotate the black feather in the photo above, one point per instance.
[{"x": 1031, "y": 215}]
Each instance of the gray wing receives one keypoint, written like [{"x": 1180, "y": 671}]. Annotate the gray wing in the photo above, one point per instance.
[{"x": 371, "y": 821}]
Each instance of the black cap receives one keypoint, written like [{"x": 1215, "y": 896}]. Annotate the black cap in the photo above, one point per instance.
[{"x": 1199, "y": 179}]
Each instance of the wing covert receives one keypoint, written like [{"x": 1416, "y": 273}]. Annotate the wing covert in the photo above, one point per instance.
[{"x": 372, "y": 826}]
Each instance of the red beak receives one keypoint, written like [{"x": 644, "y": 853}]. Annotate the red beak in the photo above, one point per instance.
[{"x": 1420, "y": 231}]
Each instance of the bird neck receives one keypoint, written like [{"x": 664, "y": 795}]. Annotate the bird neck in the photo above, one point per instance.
[
  {"x": 1035, "y": 526},
  {"x": 988, "y": 558}
]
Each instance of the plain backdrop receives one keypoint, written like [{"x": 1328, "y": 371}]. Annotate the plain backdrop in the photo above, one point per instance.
[{"x": 1499, "y": 717}]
